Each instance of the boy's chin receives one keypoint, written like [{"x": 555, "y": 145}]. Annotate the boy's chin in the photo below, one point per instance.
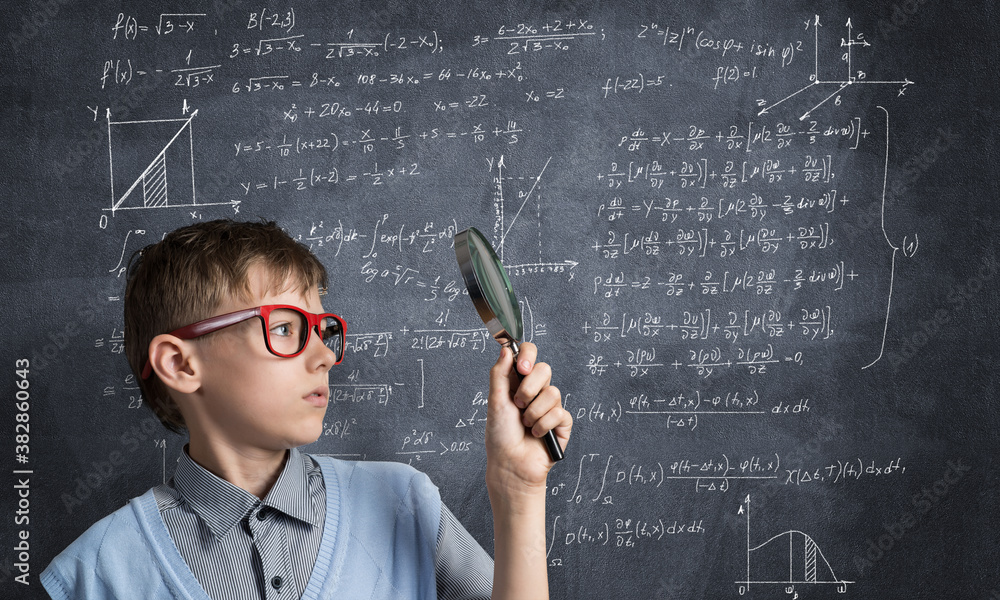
[{"x": 311, "y": 433}]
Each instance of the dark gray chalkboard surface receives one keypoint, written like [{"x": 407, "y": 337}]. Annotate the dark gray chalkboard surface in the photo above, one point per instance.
[{"x": 756, "y": 241}]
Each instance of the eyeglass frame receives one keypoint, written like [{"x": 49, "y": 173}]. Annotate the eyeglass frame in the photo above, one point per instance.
[{"x": 218, "y": 322}]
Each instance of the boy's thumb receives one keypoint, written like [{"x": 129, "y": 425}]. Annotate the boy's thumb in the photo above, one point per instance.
[{"x": 500, "y": 372}]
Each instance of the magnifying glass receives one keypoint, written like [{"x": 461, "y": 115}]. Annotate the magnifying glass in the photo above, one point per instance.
[{"x": 494, "y": 299}]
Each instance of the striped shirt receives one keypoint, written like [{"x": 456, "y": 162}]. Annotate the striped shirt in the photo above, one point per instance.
[{"x": 239, "y": 546}]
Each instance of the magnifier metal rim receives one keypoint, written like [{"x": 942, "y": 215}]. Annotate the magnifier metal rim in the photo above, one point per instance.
[
  {"x": 486, "y": 312},
  {"x": 465, "y": 261}
]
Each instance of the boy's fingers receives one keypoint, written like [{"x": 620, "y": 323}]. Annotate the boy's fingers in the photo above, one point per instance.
[
  {"x": 533, "y": 384},
  {"x": 542, "y": 403},
  {"x": 553, "y": 419},
  {"x": 500, "y": 373},
  {"x": 527, "y": 352}
]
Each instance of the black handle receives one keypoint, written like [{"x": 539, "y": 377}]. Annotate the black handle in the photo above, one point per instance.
[{"x": 551, "y": 443}]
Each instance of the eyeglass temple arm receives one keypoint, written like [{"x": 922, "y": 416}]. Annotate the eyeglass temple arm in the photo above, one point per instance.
[
  {"x": 203, "y": 327},
  {"x": 215, "y": 323}
]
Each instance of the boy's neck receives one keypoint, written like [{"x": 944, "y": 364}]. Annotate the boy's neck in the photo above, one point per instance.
[{"x": 255, "y": 471}]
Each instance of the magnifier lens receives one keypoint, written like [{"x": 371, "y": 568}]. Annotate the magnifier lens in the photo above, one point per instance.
[
  {"x": 495, "y": 286},
  {"x": 494, "y": 298}
]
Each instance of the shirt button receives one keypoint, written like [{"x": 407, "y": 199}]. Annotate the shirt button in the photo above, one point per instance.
[
  {"x": 261, "y": 515},
  {"x": 276, "y": 582}
]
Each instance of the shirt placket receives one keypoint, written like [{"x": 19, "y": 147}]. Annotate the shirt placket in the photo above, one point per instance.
[{"x": 271, "y": 543}]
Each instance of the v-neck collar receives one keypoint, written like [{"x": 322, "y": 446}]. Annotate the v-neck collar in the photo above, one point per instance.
[{"x": 179, "y": 577}]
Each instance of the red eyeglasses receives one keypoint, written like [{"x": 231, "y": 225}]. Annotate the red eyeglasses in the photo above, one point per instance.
[{"x": 286, "y": 330}]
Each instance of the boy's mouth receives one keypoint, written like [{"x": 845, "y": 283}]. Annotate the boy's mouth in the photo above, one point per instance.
[{"x": 318, "y": 396}]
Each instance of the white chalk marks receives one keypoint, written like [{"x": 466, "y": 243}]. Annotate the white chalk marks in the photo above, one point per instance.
[
  {"x": 907, "y": 246},
  {"x": 790, "y": 558},
  {"x": 528, "y": 189},
  {"x": 854, "y": 75},
  {"x": 151, "y": 164}
]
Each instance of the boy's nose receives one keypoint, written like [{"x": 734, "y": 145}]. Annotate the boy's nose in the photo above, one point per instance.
[{"x": 319, "y": 352}]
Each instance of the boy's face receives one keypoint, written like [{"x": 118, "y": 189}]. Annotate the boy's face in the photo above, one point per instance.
[{"x": 251, "y": 399}]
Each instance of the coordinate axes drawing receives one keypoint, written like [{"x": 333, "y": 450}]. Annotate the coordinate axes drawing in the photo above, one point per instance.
[
  {"x": 502, "y": 227},
  {"x": 151, "y": 164},
  {"x": 790, "y": 558},
  {"x": 854, "y": 76}
]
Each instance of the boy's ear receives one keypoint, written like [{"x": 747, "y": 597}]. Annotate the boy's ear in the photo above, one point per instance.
[{"x": 175, "y": 363}]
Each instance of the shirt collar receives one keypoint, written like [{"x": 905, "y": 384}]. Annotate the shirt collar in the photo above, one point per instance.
[{"x": 222, "y": 505}]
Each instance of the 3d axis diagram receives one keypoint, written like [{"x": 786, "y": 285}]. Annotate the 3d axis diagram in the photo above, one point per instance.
[{"x": 853, "y": 75}]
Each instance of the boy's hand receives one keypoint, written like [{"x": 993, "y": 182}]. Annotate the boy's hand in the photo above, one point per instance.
[{"x": 523, "y": 406}]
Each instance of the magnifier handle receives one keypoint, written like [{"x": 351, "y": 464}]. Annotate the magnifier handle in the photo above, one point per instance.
[{"x": 551, "y": 443}]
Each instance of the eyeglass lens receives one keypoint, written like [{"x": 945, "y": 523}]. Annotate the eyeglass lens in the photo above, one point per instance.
[{"x": 288, "y": 331}]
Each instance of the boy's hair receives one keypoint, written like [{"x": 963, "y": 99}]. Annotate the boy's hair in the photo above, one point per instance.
[{"x": 186, "y": 276}]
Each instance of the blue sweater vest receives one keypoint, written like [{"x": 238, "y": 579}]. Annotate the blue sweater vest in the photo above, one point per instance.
[{"x": 379, "y": 541}]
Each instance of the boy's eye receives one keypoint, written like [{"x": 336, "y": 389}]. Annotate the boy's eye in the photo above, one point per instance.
[
  {"x": 282, "y": 329},
  {"x": 287, "y": 326}
]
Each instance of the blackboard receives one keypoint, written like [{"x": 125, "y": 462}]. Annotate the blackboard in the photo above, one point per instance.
[{"x": 756, "y": 241}]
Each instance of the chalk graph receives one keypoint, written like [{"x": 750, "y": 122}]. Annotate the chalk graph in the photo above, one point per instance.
[
  {"x": 789, "y": 558},
  {"x": 504, "y": 225},
  {"x": 854, "y": 76},
  {"x": 151, "y": 164}
]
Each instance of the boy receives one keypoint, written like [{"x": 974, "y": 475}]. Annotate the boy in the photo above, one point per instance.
[{"x": 226, "y": 331}]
